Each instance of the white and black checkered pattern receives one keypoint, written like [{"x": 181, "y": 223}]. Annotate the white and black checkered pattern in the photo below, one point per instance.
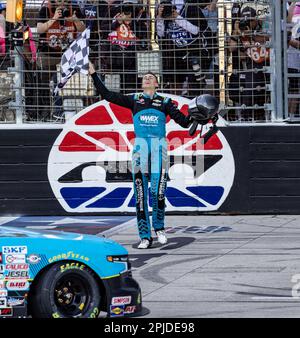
[{"x": 75, "y": 59}]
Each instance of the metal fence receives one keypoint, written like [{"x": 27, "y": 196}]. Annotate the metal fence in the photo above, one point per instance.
[{"x": 236, "y": 50}]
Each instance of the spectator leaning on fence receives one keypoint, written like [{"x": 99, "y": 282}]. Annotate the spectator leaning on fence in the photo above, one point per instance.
[
  {"x": 250, "y": 39},
  {"x": 186, "y": 38},
  {"x": 57, "y": 25}
]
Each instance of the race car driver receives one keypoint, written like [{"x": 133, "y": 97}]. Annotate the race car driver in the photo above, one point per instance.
[{"x": 149, "y": 158}]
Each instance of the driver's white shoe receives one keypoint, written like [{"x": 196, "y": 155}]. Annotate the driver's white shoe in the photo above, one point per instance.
[
  {"x": 145, "y": 243},
  {"x": 161, "y": 237}
]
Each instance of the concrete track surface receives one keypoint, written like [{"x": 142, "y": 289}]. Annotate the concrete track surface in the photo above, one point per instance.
[
  {"x": 220, "y": 266},
  {"x": 212, "y": 266}
]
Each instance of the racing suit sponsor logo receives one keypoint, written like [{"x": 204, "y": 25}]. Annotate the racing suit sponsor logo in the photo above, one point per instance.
[
  {"x": 3, "y": 293},
  {"x": 17, "y": 259},
  {"x": 2, "y": 284},
  {"x": 6, "y": 312},
  {"x": 141, "y": 101},
  {"x": 3, "y": 303},
  {"x": 149, "y": 119},
  {"x": 121, "y": 300},
  {"x": 17, "y": 285},
  {"x": 33, "y": 259},
  {"x": 157, "y": 103},
  {"x": 162, "y": 185},
  {"x": 140, "y": 193},
  {"x": 67, "y": 255},
  {"x": 14, "y": 250}
]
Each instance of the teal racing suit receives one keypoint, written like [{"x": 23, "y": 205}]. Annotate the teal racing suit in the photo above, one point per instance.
[{"x": 149, "y": 158}]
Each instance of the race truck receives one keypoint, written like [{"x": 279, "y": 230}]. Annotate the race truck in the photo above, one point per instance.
[{"x": 48, "y": 274}]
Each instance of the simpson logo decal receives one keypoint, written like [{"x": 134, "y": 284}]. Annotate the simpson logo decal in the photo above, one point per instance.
[
  {"x": 14, "y": 250},
  {"x": 89, "y": 165},
  {"x": 121, "y": 300}
]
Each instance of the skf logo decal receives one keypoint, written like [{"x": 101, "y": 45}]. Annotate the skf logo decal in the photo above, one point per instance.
[
  {"x": 89, "y": 166},
  {"x": 14, "y": 250}
]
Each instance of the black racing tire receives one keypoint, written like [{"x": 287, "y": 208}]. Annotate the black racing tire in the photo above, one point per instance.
[{"x": 66, "y": 293}]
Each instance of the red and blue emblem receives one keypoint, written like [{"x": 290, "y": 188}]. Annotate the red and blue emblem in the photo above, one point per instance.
[{"x": 89, "y": 166}]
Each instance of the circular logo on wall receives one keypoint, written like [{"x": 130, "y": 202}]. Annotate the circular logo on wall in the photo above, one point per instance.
[{"x": 89, "y": 166}]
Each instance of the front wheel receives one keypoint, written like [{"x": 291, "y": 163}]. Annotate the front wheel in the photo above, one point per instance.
[{"x": 66, "y": 290}]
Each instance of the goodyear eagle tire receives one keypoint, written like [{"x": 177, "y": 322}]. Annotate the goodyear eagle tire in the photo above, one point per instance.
[{"x": 66, "y": 290}]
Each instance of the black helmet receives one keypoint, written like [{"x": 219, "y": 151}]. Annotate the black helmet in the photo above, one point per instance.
[{"x": 203, "y": 108}]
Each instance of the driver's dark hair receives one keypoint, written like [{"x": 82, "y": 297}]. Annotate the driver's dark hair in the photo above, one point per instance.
[{"x": 151, "y": 73}]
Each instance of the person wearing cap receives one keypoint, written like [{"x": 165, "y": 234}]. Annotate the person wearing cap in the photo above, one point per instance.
[{"x": 149, "y": 158}]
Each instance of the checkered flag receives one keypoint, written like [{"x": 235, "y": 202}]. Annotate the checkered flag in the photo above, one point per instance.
[{"x": 75, "y": 59}]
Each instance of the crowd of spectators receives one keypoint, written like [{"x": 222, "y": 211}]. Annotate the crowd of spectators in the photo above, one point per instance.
[{"x": 185, "y": 32}]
